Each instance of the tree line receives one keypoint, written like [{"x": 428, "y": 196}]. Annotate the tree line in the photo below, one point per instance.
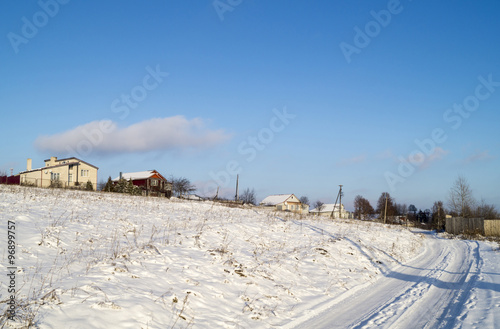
[{"x": 460, "y": 203}]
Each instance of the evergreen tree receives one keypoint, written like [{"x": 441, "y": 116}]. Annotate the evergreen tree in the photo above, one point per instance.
[
  {"x": 412, "y": 209},
  {"x": 132, "y": 189},
  {"x": 89, "y": 186},
  {"x": 109, "y": 187},
  {"x": 121, "y": 186}
]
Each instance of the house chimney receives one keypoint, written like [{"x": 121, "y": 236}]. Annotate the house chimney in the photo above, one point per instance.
[
  {"x": 28, "y": 165},
  {"x": 53, "y": 161},
  {"x": 121, "y": 175}
]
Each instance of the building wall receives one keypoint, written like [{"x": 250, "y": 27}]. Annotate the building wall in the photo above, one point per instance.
[
  {"x": 80, "y": 172},
  {"x": 92, "y": 174},
  {"x": 296, "y": 207},
  {"x": 293, "y": 199},
  {"x": 32, "y": 178},
  {"x": 162, "y": 189}
]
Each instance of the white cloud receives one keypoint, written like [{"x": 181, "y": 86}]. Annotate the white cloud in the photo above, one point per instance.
[
  {"x": 478, "y": 156},
  {"x": 424, "y": 161},
  {"x": 172, "y": 133},
  {"x": 436, "y": 155},
  {"x": 353, "y": 160}
]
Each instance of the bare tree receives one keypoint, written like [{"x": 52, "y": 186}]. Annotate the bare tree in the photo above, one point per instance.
[
  {"x": 182, "y": 186},
  {"x": 460, "y": 199},
  {"x": 101, "y": 185},
  {"x": 248, "y": 196},
  {"x": 401, "y": 209},
  {"x": 404, "y": 209},
  {"x": 438, "y": 215},
  {"x": 358, "y": 206},
  {"x": 389, "y": 211},
  {"x": 362, "y": 207},
  {"x": 487, "y": 211},
  {"x": 304, "y": 200},
  {"x": 318, "y": 205},
  {"x": 367, "y": 209}
]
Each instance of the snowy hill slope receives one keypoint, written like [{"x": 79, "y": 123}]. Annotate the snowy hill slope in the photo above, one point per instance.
[{"x": 100, "y": 260}]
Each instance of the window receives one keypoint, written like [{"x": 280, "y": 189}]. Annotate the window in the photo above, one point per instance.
[
  {"x": 85, "y": 173},
  {"x": 154, "y": 182},
  {"x": 54, "y": 176}
]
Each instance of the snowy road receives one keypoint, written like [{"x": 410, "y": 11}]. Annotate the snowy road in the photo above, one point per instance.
[{"x": 452, "y": 284}]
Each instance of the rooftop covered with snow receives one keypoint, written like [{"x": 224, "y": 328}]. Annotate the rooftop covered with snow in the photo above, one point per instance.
[
  {"x": 273, "y": 200},
  {"x": 138, "y": 175}
]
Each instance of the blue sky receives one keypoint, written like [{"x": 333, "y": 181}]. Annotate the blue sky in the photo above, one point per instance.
[{"x": 397, "y": 96}]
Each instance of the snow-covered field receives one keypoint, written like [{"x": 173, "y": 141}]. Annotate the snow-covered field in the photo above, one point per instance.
[{"x": 100, "y": 260}]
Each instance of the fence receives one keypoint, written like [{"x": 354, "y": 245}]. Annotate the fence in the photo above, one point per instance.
[
  {"x": 39, "y": 182},
  {"x": 11, "y": 180},
  {"x": 492, "y": 227},
  {"x": 486, "y": 227}
]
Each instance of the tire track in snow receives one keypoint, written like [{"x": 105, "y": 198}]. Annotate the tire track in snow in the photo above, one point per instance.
[
  {"x": 442, "y": 293},
  {"x": 463, "y": 298},
  {"x": 429, "y": 292},
  {"x": 466, "y": 299},
  {"x": 395, "y": 308},
  {"x": 449, "y": 292}
]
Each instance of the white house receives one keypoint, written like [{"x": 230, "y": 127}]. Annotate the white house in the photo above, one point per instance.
[
  {"x": 68, "y": 172},
  {"x": 327, "y": 208},
  {"x": 285, "y": 202}
]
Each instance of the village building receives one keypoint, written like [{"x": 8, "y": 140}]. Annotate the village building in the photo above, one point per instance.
[
  {"x": 327, "y": 209},
  {"x": 285, "y": 202},
  {"x": 151, "y": 182},
  {"x": 68, "y": 172}
]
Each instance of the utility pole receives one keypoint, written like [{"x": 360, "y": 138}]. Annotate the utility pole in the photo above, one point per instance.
[
  {"x": 216, "y": 194},
  {"x": 339, "y": 195},
  {"x": 340, "y": 202},
  {"x": 236, "y": 196},
  {"x": 385, "y": 210},
  {"x": 439, "y": 217}
]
